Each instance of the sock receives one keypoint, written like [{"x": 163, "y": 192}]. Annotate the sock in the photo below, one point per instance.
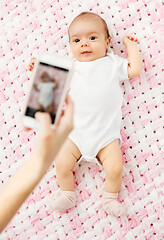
[
  {"x": 64, "y": 200},
  {"x": 111, "y": 205}
]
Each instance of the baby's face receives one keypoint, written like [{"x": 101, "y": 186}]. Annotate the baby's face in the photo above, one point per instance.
[
  {"x": 45, "y": 77},
  {"x": 88, "y": 39}
]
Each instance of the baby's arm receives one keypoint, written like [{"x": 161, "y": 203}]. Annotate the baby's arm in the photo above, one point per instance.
[
  {"x": 30, "y": 68},
  {"x": 134, "y": 56},
  {"x": 36, "y": 87},
  {"x": 55, "y": 83}
]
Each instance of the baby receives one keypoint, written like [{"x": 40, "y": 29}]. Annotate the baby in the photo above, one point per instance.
[
  {"x": 97, "y": 99},
  {"x": 45, "y": 89}
]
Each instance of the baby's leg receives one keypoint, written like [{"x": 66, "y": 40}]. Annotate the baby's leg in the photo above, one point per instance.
[
  {"x": 65, "y": 161},
  {"x": 111, "y": 158},
  {"x": 50, "y": 108},
  {"x": 40, "y": 107}
]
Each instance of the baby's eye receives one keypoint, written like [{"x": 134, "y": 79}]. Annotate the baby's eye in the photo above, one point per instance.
[
  {"x": 92, "y": 38},
  {"x": 77, "y": 40}
]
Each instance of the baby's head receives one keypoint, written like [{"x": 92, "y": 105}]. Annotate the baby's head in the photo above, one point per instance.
[
  {"x": 89, "y": 37},
  {"x": 45, "y": 77}
]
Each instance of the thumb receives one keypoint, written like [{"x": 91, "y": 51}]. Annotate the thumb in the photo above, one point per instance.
[{"x": 44, "y": 120}]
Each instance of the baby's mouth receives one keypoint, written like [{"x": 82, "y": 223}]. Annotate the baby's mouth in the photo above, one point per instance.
[{"x": 86, "y": 52}]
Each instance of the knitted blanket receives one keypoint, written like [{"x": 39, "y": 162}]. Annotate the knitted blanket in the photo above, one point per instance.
[{"x": 31, "y": 28}]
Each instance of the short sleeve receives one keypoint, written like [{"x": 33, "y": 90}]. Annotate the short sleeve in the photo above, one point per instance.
[
  {"x": 53, "y": 84},
  {"x": 39, "y": 86},
  {"x": 122, "y": 68}
]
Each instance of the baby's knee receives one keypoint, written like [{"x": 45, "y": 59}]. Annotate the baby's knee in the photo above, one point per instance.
[
  {"x": 61, "y": 167},
  {"x": 64, "y": 165},
  {"x": 117, "y": 170}
]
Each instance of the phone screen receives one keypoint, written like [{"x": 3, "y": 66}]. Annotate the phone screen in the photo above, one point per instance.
[{"x": 47, "y": 89}]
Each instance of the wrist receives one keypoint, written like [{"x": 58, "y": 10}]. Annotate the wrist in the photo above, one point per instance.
[
  {"x": 131, "y": 46},
  {"x": 36, "y": 164}
]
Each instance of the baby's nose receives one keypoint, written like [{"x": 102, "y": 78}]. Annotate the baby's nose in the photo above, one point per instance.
[{"x": 84, "y": 43}]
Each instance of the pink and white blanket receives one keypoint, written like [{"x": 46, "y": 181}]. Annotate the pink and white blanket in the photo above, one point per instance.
[{"x": 31, "y": 28}]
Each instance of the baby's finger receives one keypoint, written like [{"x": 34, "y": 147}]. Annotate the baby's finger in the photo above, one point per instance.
[
  {"x": 31, "y": 66},
  {"x": 130, "y": 38},
  {"x": 26, "y": 129}
]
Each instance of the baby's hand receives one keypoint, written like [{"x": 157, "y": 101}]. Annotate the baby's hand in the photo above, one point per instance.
[
  {"x": 31, "y": 64},
  {"x": 128, "y": 40}
]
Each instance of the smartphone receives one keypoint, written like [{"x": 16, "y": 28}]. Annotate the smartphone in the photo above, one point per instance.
[{"x": 49, "y": 85}]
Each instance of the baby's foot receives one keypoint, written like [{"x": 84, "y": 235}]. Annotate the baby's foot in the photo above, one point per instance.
[
  {"x": 111, "y": 205},
  {"x": 64, "y": 200}
]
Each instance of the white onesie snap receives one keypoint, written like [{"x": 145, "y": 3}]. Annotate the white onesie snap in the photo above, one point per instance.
[{"x": 97, "y": 97}]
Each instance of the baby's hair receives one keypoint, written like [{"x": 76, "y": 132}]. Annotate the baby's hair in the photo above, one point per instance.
[
  {"x": 93, "y": 14},
  {"x": 45, "y": 74}
]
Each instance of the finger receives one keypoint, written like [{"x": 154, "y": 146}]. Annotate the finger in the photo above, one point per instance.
[
  {"x": 64, "y": 106},
  {"x": 45, "y": 121},
  {"x": 69, "y": 102},
  {"x": 33, "y": 60},
  {"x": 31, "y": 66},
  {"x": 68, "y": 112},
  {"x": 130, "y": 38},
  {"x": 69, "y": 107},
  {"x": 26, "y": 129},
  {"x": 134, "y": 39},
  {"x": 68, "y": 99}
]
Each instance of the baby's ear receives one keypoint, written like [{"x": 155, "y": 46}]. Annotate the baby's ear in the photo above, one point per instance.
[{"x": 108, "y": 42}]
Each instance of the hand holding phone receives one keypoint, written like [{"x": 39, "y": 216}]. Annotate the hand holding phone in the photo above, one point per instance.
[
  {"x": 51, "y": 139},
  {"x": 49, "y": 86}
]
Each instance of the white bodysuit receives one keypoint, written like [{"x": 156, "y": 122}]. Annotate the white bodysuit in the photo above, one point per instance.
[
  {"x": 97, "y": 98},
  {"x": 46, "y": 93}
]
